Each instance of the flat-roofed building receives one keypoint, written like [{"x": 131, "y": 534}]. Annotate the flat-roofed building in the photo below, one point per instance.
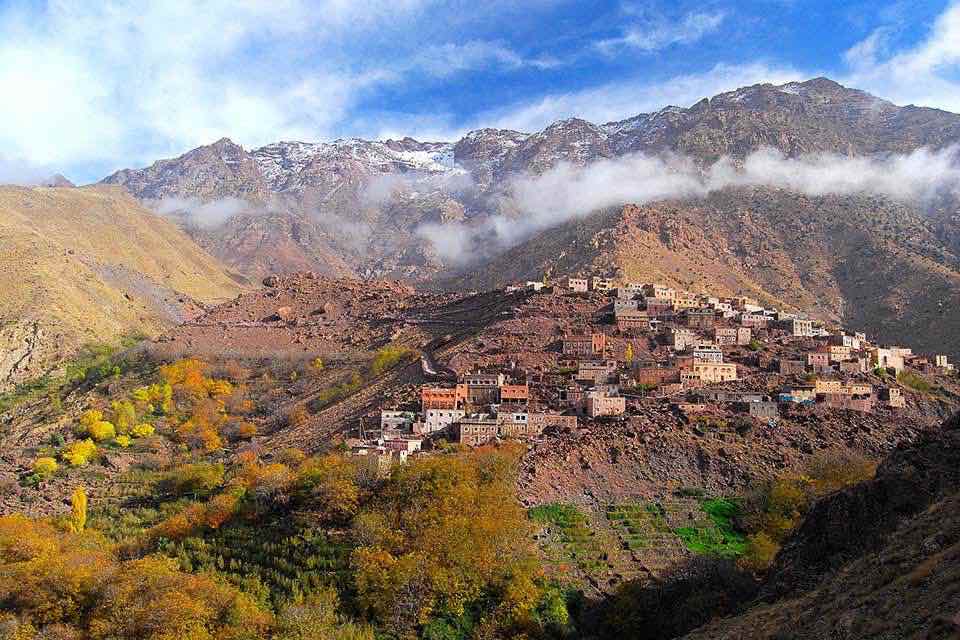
[
  {"x": 584, "y": 345},
  {"x": 601, "y": 404},
  {"x": 711, "y": 372}
]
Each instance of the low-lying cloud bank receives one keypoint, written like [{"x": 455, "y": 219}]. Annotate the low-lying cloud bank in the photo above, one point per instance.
[
  {"x": 201, "y": 214},
  {"x": 567, "y": 192}
]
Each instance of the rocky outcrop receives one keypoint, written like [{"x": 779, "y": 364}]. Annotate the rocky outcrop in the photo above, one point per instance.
[{"x": 880, "y": 559}]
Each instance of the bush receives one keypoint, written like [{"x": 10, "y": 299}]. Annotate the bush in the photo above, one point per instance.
[
  {"x": 101, "y": 431},
  {"x": 193, "y": 479},
  {"x": 142, "y": 430},
  {"x": 388, "y": 357},
  {"x": 45, "y": 467},
  {"x": 79, "y": 453},
  {"x": 914, "y": 381},
  {"x": 122, "y": 441},
  {"x": 761, "y": 550}
]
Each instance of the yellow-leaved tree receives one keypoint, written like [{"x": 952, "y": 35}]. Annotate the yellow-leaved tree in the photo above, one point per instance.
[
  {"x": 78, "y": 510},
  {"x": 443, "y": 535}
]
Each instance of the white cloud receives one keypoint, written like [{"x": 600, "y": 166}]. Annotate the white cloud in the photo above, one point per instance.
[
  {"x": 566, "y": 191},
  {"x": 444, "y": 60},
  {"x": 121, "y": 81},
  {"x": 924, "y": 74},
  {"x": 654, "y": 35},
  {"x": 620, "y": 100},
  {"x": 202, "y": 214}
]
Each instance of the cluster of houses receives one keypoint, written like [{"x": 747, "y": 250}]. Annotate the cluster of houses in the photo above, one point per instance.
[
  {"x": 480, "y": 408},
  {"x": 694, "y": 333}
]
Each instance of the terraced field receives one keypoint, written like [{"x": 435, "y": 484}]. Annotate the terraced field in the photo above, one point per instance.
[{"x": 631, "y": 540}]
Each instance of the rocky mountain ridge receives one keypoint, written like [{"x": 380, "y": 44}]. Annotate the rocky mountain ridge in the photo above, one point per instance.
[{"x": 378, "y": 209}]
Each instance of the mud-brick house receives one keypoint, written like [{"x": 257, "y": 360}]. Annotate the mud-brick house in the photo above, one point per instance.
[
  {"x": 789, "y": 367},
  {"x": 580, "y": 285},
  {"x": 601, "y": 404},
  {"x": 679, "y": 338},
  {"x": 711, "y": 372},
  {"x": 514, "y": 393},
  {"x": 632, "y": 321},
  {"x": 940, "y": 362},
  {"x": 443, "y": 398},
  {"x": 684, "y": 300},
  {"x": 732, "y": 335},
  {"x": 754, "y": 320},
  {"x": 845, "y": 340},
  {"x": 439, "y": 419},
  {"x": 704, "y": 318},
  {"x": 601, "y": 284},
  {"x": 797, "y": 327},
  {"x": 655, "y": 375},
  {"x": 849, "y": 401},
  {"x": 763, "y": 410},
  {"x": 476, "y": 430},
  {"x": 659, "y": 291},
  {"x": 854, "y": 365},
  {"x": 573, "y": 397},
  {"x": 890, "y": 358},
  {"x": 560, "y": 422},
  {"x": 818, "y": 361},
  {"x": 838, "y": 352},
  {"x": 799, "y": 394},
  {"x": 707, "y": 353},
  {"x": 597, "y": 372},
  {"x": 619, "y": 306},
  {"x": 658, "y": 307},
  {"x": 584, "y": 345},
  {"x": 892, "y": 397}
]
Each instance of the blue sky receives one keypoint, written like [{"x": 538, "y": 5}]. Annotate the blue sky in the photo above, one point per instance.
[{"x": 92, "y": 87}]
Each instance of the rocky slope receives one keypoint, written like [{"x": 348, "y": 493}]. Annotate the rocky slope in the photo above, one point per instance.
[
  {"x": 878, "y": 560},
  {"x": 355, "y": 208},
  {"x": 872, "y": 263},
  {"x": 87, "y": 265},
  {"x": 358, "y": 204}
]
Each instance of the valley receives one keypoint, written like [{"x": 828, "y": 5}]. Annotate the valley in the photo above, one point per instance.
[{"x": 689, "y": 374}]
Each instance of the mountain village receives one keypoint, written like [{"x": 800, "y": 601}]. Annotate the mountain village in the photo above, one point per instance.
[{"x": 695, "y": 354}]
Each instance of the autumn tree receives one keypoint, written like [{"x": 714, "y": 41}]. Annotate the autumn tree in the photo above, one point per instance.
[
  {"x": 193, "y": 479},
  {"x": 443, "y": 534},
  {"x": 328, "y": 486},
  {"x": 78, "y": 510},
  {"x": 318, "y": 617}
]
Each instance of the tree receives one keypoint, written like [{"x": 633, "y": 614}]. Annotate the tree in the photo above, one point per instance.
[
  {"x": 193, "y": 479},
  {"x": 45, "y": 467},
  {"x": 142, "y": 430},
  {"x": 628, "y": 354},
  {"x": 78, "y": 510},
  {"x": 124, "y": 415},
  {"x": 151, "y": 599},
  {"x": 317, "y": 617},
  {"x": 443, "y": 535},
  {"x": 79, "y": 453},
  {"x": 101, "y": 431}
]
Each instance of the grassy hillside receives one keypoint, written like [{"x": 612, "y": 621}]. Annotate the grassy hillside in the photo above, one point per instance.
[{"x": 88, "y": 265}]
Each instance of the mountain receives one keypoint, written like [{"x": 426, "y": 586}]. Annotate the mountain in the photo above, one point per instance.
[
  {"x": 423, "y": 211},
  {"x": 89, "y": 265},
  {"x": 880, "y": 559},
  {"x": 860, "y": 260},
  {"x": 343, "y": 208}
]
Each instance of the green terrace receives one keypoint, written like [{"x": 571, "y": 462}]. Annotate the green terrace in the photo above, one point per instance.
[{"x": 648, "y": 532}]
